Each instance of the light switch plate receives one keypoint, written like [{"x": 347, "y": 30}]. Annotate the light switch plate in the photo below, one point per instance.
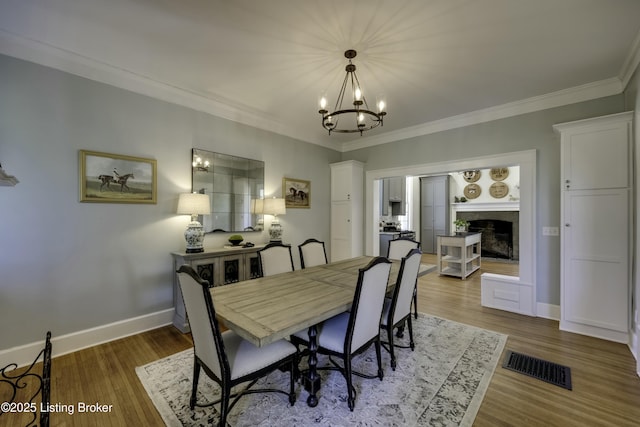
[{"x": 550, "y": 231}]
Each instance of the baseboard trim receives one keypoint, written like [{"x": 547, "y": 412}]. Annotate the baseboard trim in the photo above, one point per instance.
[
  {"x": 23, "y": 355},
  {"x": 548, "y": 311}
]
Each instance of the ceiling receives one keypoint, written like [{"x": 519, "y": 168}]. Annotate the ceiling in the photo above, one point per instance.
[{"x": 439, "y": 63}]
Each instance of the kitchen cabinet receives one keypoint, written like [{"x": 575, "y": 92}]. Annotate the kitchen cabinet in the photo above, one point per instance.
[
  {"x": 596, "y": 212},
  {"x": 218, "y": 267},
  {"x": 434, "y": 211},
  {"x": 347, "y": 194},
  {"x": 394, "y": 195}
]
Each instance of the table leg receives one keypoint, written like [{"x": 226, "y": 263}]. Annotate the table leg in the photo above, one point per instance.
[{"x": 312, "y": 380}]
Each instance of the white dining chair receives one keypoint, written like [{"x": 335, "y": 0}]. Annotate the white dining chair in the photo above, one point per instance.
[
  {"x": 275, "y": 258},
  {"x": 398, "y": 249},
  {"x": 351, "y": 333},
  {"x": 225, "y": 357},
  {"x": 397, "y": 309},
  {"x": 312, "y": 253}
]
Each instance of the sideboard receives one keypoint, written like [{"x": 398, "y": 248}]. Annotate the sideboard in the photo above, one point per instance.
[{"x": 222, "y": 266}]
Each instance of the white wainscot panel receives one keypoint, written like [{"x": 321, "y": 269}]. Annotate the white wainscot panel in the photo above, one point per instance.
[{"x": 507, "y": 293}]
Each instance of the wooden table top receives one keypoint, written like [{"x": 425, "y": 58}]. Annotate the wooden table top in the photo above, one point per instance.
[{"x": 267, "y": 309}]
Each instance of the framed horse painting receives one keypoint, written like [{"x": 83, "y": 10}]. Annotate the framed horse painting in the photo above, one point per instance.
[
  {"x": 296, "y": 193},
  {"x": 114, "y": 178}
]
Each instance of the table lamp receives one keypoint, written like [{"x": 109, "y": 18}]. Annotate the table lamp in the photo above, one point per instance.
[
  {"x": 194, "y": 204},
  {"x": 257, "y": 208},
  {"x": 275, "y": 207}
]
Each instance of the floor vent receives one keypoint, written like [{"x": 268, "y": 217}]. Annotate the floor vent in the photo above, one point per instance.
[{"x": 537, "y": 368}]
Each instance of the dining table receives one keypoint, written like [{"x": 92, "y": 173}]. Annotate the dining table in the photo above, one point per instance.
[{"x": 266, "y": 309}]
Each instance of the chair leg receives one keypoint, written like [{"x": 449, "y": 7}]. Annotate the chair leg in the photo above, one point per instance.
[
  {"x": 379, "y": 357},
  {"x": 194, "y": 387},
  {"x": 293, "y": 375},
  {"x": 351, "y": 400},
  {"x": 392, "y": 353},
  {"x": 410, "y": 327},
  {"x": 415, "y": 301},
  {"x": 224, "y": 406}
]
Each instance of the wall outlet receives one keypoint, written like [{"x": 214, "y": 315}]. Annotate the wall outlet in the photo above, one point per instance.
[{"x": 550, "y": 231}]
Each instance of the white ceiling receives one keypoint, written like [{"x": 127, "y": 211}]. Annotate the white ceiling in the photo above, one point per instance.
[{"x": 439, "y": 63}]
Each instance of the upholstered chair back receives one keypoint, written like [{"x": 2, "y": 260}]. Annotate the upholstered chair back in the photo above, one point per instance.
[
  {"x": 399, "y": 248},
  {"x": 201, "y": 314},
  {"x": 368, "y": 302},
  {"x": 406, "y": 283},
  {"x": 312, "y": 253},
  {"x": 275, "y": 258}
]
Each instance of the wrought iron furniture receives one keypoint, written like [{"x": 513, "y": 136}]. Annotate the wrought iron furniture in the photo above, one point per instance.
[
  {"x": 225, "y": 357},
  {"x": 312, "y": 253},
  {"x": 398, "y": 249},
  {"x": 28, "y": 380},
  {"x": 258, "y": 311},
  {"x": 275, "y": 258},
  {"x": 397, "y": 309},
  {"x": 349, "y": 334}
]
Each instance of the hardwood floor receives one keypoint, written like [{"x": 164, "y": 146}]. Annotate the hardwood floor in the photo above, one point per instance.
[{"x": 606, "y": 389}]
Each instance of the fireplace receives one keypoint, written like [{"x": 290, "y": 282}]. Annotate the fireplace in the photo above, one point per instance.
[{"x": 500, "y": 232}]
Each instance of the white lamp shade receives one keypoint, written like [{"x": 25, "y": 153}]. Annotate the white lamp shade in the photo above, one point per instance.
[
  {"x": 274, "y": 207},
  {"x": 194, "y": 204},
  {"x": 257, "y": 206}
]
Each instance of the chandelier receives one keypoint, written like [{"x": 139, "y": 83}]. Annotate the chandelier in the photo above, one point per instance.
[{"x": 360, "y": 118}]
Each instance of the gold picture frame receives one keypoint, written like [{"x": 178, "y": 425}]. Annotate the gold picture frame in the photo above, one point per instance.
[
  {"x": 296, "y": 193},
  {"x": 116, "y": 178}
]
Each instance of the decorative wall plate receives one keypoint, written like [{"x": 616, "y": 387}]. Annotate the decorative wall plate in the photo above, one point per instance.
[
  {"x": 472, "y": 175},
  {"x": 499, "y": 174},
  {"x": 498, "y": 190},
  {"x": 472, "y": 191}
]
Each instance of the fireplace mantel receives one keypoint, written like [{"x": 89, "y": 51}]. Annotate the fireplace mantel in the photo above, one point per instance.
[{"x": 485, "y": 207}]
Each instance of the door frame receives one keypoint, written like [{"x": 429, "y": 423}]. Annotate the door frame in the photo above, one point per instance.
[{"x": 527, "y": 162}]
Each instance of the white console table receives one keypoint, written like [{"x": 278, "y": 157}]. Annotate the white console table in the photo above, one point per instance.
[
  {"x": 218, "y": 266},
  {"x": 459, "y": 254}
]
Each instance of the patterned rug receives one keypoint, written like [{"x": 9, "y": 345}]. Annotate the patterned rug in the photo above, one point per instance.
[{"x": 441, "y": 383}]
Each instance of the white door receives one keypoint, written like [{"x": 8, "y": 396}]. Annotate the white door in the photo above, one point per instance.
[
  {"x": 341, "y": 232},
  {"x": 596, "y": 159},
  {"x": 595, "y": 251}
]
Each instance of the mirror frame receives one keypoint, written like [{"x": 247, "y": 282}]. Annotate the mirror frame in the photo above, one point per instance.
[{"x": 231, "y": 183}]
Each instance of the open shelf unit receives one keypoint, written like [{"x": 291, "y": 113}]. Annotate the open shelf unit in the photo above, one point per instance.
[{"x": 459, "y": 254}]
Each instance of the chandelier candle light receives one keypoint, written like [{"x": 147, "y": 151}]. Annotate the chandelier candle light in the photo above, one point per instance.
[
  {"x": 194, "y": 204},
  {"x": 363, "y": 117}
]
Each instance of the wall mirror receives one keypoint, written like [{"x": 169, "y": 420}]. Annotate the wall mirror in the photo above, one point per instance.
[{"x": 231, "y": 183}]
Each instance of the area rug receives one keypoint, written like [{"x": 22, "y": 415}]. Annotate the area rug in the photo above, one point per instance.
[{"x": 441, "y": 383}]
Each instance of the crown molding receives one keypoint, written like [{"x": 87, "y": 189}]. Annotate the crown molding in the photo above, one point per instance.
[
  {"x": 64, "y": 60},
  {"x": 612, "y": 86},
  {"x": 631, "y": 62},
  {"x": 70, "y": 62}
]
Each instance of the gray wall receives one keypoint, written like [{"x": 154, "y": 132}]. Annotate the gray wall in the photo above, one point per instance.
[
  {"x": 69, "y": 266},
  {"x": 524, "y": 132}
]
